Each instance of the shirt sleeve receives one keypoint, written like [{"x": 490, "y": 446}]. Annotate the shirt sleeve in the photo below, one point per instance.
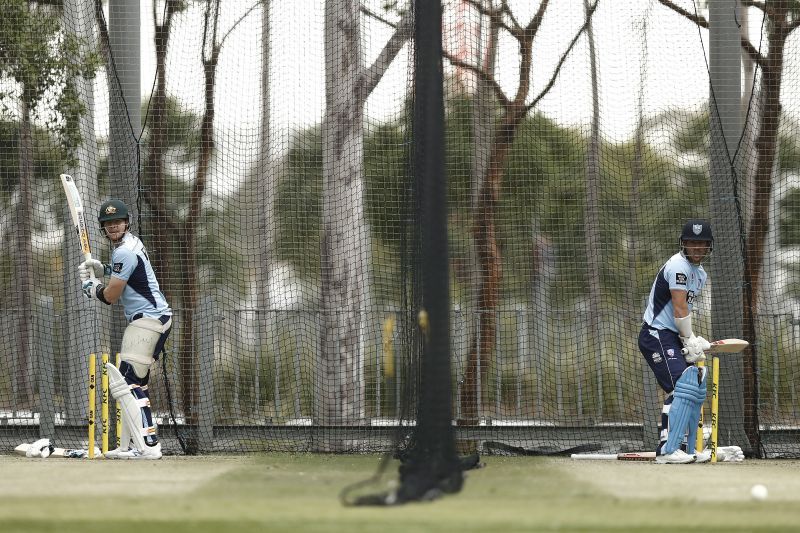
[
  {"x": 676, "y": 276},
  {"x": 123, "y": 262}
]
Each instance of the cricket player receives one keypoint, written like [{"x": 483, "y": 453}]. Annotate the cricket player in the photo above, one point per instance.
[
  {"x": 133, "y": 283},
  {"x": 668, "y": 343}
]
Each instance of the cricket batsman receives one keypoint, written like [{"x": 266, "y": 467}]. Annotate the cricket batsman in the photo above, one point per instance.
[
  {"x": 133, "y": 283},
  {"x": 669, "y": 345}
]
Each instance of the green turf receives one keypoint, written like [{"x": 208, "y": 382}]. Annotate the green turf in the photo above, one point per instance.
[{"x": 298, "y": 493}]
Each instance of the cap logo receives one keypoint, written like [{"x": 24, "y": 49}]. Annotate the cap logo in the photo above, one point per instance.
[
  {"x": 697, "y": 229},
  {"x": 110, "y": 210}
]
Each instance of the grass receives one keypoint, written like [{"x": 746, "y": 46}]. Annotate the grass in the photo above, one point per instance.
[{"x": 298, "y": 493}]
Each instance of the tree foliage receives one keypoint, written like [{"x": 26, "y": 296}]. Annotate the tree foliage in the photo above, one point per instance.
[
  {"x": 43, "y": 61},
  {"x": 543, "y": 194},
  {"x": 181, "y": 138}
]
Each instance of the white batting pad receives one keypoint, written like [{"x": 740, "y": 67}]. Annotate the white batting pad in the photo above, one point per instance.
[{"x": 129, "y": 405}]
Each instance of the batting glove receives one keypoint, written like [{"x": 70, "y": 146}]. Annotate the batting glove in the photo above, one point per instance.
[
  {"x": 730, "y": 454},
  {"x": 702, "y": 343},
  {"x": 89, "y": 269},
  {"x": 90, "y": 287},
  {"x": 693, "y": 348},
  {"x": 41, "y": 448}
]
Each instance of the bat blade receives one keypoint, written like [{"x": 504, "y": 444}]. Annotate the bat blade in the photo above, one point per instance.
[
  {"x": 728, "y": 346},
  {"x": 77, "y": 453},
  {"x": 76, "y": 212},
  {"x": 627, "y": 456},
  {"x": 636, "y": 456}
]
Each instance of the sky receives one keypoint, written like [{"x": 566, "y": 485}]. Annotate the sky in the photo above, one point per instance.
[
  {"x": 675, "y": 74},
  {"x": 674, "y": 77}
]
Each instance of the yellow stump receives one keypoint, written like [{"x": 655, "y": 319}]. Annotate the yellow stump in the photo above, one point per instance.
[
  {"x": 699, "y": 441},
  {"x": 92, "y": 369},
  {"x": 388, "y": 349},
  {"x": 104, "y": 401},
  {"x": 118, "y": 412},
  {"x": 714, "y": 407}
]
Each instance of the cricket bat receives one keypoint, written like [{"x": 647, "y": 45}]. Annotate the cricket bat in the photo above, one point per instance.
[
  {"x": 66, "y": 453},
  {"x": 626, "y": 456},
  {"x": 725, "y": 346},
  {"x": 728, "y": 346}
]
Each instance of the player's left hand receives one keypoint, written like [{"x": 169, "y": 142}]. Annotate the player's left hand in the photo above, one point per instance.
[
  {"x": 702, "y": 343},
  {"x": 90, "y": 287}
]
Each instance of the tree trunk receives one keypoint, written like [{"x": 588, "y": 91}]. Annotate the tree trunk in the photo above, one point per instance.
[
  {"x": 175, "y": 286},
  {"x": 484, "y": 229},
  {"x": 263, "y": 239},
  {"x": 592, "y": 225},
  {"x": 759, "y": 220},
  {"x": 484, "y": 233},
  {"x": 154, "y": 188},
  {"x": 77, "y": 343},
  {"x": 483, "y": 104},
  {"x": 187, "y": 257},
  {"x": 23, "y": 259},
  {"x": 265, "y": 207},
  {"x": 345, "y": 240}
]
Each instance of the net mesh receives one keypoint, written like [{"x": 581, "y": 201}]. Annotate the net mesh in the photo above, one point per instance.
[{"x": 264, "y": 151}]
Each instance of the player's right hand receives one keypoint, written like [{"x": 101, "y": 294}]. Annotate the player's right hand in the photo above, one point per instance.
[
  {"x": 90, "y": 287},
  {"x": 90, "y": 268}
]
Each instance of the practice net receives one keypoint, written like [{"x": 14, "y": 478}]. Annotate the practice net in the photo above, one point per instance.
[{"x": 264, "y": 150}]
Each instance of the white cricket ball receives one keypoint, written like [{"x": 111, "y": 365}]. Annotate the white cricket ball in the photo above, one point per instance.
[{"x": 759, "y": 492}]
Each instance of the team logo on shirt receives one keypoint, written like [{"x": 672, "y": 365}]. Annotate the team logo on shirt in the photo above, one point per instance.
[
  {"x": 117, "y": 268},
  {"x": 670, "y": 352},
  {"x": 680, "y": 278},
  {"x": 657, "y": 357}
]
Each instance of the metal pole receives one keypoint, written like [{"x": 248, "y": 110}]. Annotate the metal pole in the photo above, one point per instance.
[
  {"x": 125, "y": 115},
  {"x": 727, "y": 264}
]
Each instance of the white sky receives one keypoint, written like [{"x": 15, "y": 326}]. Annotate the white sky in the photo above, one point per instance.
[{"x": 675, "y": 74}]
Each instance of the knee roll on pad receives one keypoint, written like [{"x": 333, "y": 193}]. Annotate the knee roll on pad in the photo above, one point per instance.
[
  {"x": 691, "y": 385},
  {"x": 136, "y": 372},
  {"x": 139, "y": 343},
  {"x": 131, "y": 370},
  {"x": 684, "y": 414}
]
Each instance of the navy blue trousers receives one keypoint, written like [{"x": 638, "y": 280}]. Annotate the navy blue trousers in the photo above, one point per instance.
[{"x": 661, "y": 349}]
